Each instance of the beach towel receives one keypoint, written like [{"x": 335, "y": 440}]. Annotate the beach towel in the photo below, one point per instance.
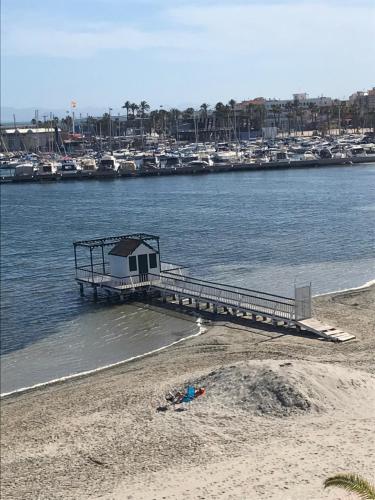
[{"x": 189, "y": 396}]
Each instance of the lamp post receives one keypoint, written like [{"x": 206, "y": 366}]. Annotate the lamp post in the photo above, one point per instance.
[{"x": 110, "y": 129}]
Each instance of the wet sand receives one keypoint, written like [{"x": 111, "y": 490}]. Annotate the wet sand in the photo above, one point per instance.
[{"x": 282, "y": 412}]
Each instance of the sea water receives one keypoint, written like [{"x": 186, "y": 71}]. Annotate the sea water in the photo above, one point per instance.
[{"x": 266, "y": 230}]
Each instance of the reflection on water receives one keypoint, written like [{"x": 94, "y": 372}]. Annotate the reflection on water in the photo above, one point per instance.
[{"x": 263, "y": 230}]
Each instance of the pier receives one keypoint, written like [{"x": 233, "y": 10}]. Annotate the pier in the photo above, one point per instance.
[{"x": 134, "y": 269}]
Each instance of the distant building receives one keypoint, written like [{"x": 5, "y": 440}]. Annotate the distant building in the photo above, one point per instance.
[
  {"x": 365, "y": 100},
  {"x": 27, "y": 139}
]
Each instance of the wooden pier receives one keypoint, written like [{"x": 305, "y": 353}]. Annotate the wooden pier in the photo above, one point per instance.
[{"x": 169, "y": 281}]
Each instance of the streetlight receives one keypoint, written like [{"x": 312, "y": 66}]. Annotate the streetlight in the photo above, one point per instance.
[{"x": 110, "y": 129}]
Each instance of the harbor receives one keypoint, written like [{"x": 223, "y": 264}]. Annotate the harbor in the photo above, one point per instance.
[{"x": 170, "y": 158}]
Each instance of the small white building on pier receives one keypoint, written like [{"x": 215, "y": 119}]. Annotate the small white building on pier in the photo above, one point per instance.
[{"x": 132, "y": 257}]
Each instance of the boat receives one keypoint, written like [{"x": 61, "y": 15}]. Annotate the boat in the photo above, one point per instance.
[{"x": 108, "y": 163}]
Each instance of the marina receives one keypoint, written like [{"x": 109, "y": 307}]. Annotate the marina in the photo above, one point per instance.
[{"x": 166, "y": 158}]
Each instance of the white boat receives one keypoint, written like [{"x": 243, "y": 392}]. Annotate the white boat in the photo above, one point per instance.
[
  {"x": 46, "y": 168},
  {"x": 68, "y": 165},
  {"x": 24, "y": 170},
  {"x": 88, "y": 165},
  {"x": 108, "y": 163}
]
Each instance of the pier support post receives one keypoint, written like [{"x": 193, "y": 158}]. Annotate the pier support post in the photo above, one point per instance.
[
  {"x": 95, "y": 294},
  {"x": 190, "y": 300},
  {"x": 215, "y": 309},
  {"x": 180, "y": 301},
  {"x": 207, "y": 305},
  {"x": 274, "y": 322},
  {"x": 81, "y": 289},
  {"x": 254, "y": 317},
  {"x": 164, "y": 299},
  {"x": 174, "y": 297},
  {"x": 225, "y": 309},
  {"x": 197, "y": 304}
]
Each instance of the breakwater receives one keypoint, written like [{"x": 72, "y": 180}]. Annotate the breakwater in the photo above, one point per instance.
[{"x": 189, "y": 170}]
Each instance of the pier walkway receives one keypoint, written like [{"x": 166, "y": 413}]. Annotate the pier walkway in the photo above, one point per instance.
[{"x": 171, "y": 282}]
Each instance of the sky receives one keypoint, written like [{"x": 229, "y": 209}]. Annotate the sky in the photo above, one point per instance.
[{"x": 101, "y": 53}]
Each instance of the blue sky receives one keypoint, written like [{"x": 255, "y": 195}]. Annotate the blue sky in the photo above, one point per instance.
[{"x": 179, "y": 53}]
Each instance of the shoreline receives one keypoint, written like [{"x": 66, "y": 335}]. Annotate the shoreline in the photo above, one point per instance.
[
  {"x": 275, "y": 400},
  {"x": 88, "y": 373}
]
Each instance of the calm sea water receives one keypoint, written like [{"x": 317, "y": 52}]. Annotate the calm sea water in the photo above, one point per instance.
[{"x": 265, "y": 230}]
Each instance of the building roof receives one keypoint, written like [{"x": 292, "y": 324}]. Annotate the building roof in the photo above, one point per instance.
[
  {"x": 126, "y": 247},
  {"x": 29, "y": 130}
]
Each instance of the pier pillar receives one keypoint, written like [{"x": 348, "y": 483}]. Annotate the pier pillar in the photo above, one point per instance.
[
  {"x": 197, "y": 304},
  {"x": 81, "y": 289},
  {"x": 164, "y": 299},
  {"x": 174, "y": 297},
  {"x": 225, "y": 309},
  {"x": 207, "y": 305},
  {"x": 95, "y": 294},
  {"x": 181, "y": 301},
  {"x": 215, "y": 309},
  {"x": 254, "y": 317},
  {"x": 190, "y": 300},
  {"x": 274, "y": 322}
]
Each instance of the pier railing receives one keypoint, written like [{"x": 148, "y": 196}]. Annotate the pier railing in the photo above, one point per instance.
[
  {"x": 240, "y": 299},
  {"x": 170, "y": 283}
]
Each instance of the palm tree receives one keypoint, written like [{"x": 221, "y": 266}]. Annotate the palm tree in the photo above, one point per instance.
[
  {"x": 144, "y": 106},
  {"x": 204, "y": 108},
  {"x": 353, "y": 483},
  {"x": 314, "y": 110},
  {"x": 134, "y": 108},
  {"x": 276, "y": 111},
  {"x": 127, "y": 106}
]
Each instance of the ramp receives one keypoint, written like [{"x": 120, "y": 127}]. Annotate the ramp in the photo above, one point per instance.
[{"x": 326, "y": 331}]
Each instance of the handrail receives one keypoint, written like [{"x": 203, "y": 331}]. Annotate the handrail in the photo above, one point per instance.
[
  {"x": 199, "y": 289},
  {"x": 191, "y": 278},
  {"x": 234, "y": 290}
]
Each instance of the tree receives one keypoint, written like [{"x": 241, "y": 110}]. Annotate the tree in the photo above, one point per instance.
[
  {"x": 134, "y": 108},
  {"x": 144, "y": 106},
  {"x": 127, "y": 106},
  {"x": 276, "y": 111},
  {"x": 353, "y": 483}
]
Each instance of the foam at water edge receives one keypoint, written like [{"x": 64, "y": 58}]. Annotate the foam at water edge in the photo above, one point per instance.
[
  {"x": 365, "y": 285},
  {"x": 101, "y": 368}
]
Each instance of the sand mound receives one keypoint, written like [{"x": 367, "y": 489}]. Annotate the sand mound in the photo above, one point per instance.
[{"x": 278, "y": 389}]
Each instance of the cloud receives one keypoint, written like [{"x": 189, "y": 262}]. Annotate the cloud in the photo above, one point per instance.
[{"x": 217, "y": 31}]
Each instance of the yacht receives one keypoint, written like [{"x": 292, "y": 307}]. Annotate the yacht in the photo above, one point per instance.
[{"x": 108, "y": 163}]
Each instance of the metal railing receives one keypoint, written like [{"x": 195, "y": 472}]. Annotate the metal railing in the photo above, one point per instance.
[
  {"x": 225, "y": 295},
  {"x": 241, "y": 299}
]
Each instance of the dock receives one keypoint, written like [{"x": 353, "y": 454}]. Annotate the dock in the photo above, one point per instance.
[
  {"x": 134, "y": 269},
  {"x": 187, "y": 170}
]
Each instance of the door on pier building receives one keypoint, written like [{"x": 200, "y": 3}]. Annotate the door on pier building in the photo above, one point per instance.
[{"x": 143, "y": 267}]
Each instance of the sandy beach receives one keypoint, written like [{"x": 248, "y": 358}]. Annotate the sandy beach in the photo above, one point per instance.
[{"x": 282, "y": 412}]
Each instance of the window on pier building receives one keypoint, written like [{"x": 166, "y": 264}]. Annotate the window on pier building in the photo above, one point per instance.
[
  {"x": 132, "y": 263},
  {"x": 153, "y": 262}
]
